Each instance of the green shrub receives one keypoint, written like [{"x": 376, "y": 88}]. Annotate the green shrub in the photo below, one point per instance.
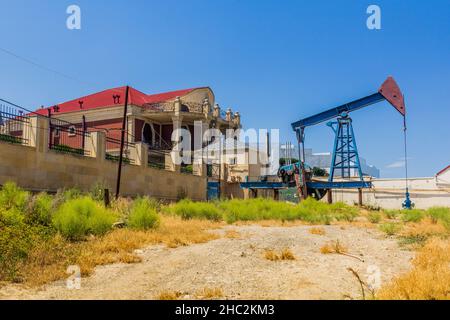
[
  {"x": 413, "y": 215},
  {"x": 441, "y": 214},
  {"x": 77, "y": 218},
  {"x": 188, "y": 209},
  {"x": 391, "y": 214},
  {"x": 11, "y": 196},
  {"x": 341, "y": 211},
  {"x": 97, "y": 191},
  {"x": 12, "y": 217},
  {"x": 143, "y": 214},
  {"x": 15, "y": 243},
  {"x": 374, "y": 217},
  {"x": 390, "y": 228},
  {"x": 40, "y": 210}
]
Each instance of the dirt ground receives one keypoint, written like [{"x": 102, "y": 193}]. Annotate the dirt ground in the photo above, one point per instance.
[{"x": 237, "y": 266}]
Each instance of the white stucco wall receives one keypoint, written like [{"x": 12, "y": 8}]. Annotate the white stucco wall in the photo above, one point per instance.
[{"x": 390, "y": 193}]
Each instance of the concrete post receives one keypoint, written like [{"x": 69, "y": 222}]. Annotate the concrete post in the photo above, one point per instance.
[
  {"x": 330, "y": 196},
  {"x": 41, "y": 133},
  {"x": 276, "y": 194},
  {"x": 96, "y": 145},
  {"x": 30, "y": 132},
  {"x": 360, "y": 197},
  {"x": 169, "y": 165},
  {"x": 139, "y": 154}
]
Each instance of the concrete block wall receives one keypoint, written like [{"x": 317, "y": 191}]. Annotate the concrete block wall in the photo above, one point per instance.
[
  {"x": 34, "y": 166},
  {"x": 390, "y": 193}
]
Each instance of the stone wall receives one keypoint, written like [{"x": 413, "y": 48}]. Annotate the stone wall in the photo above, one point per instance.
[{"x": 35, "y": 167}]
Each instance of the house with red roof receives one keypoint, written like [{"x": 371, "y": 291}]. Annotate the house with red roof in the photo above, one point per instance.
[
  {"x": 443, "y": 177},
  {"x": 151, "y": 118}
]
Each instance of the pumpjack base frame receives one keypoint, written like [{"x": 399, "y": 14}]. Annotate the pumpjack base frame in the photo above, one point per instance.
[
  {"x": 312, "y": 185},
  {"x": 264, "y": 185},
  {"x": 340, "y": 185}
]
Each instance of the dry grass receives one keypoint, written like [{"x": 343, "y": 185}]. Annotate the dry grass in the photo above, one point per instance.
[
  {"x": 333, "y": 247},
  {"x": 317, "y": 231},
  {"x": 271, "y": 255},
  {"x": 426, "y": 228},
  {"x": 285, "y": 254},
  {"x": 48, "y": 262},
  {"x": 232, "y": 234},
  {"x": 210, "y": 293},
  {"x": 169, "y": 295},
  {"x": 428, "y": 280},
  {"x": 270, "y": 223}
]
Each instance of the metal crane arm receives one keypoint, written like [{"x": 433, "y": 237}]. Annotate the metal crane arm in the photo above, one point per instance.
[{"x": 389, "y": 91}]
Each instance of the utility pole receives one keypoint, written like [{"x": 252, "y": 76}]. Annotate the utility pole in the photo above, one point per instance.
[{"x": 122, "y": 142}]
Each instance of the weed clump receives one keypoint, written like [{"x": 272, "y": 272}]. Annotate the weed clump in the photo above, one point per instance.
[
  {"x": 13, "y": 197},
  {"x": 83, "y": 216},
  {"x": 333, "y": 247},
  {"x": 413, "y": 215},
  {"x": 143, "y": 215},
  {"x": 285, "y": 254},
  {"x": 440, "y": 214},
  {"x": 374, "y": 217},
  {"x": 317, "y": 231},
  {"x": 390, "y": 228},
  {"x": 188, "y": 209},
  {"x": 39, "y": 211}
]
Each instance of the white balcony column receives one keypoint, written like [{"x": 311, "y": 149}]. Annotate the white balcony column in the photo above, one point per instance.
[
  {"x": 237, "y": 120},
  {"x": 216, "y": 111},
  {"x": 229, "y": 115},
  {"x": 177, "y": 121},
  {"x": 206, "y": 108},
  {"x": 177, "y": 106},
  {"x": 130, "y": 129}
]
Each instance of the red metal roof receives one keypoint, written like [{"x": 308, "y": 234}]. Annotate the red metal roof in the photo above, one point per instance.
[
  {"x": 112, "y": 97},
  {"x": 443, "y": 170}
]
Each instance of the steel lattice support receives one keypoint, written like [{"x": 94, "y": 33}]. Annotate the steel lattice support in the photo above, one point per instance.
[{"x": 345, "y": 152}]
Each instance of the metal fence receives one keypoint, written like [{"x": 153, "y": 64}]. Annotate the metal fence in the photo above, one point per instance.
[
  {"x": 113, "y": 150},
  {"x": 157, "y": 158},
  {"x": 12, "y": 123},
  {"x": 67, "y": 137}
]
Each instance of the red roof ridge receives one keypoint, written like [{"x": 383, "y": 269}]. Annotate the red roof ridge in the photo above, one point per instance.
[
  {"x": 443, "y": 170},
  {"x": 115, "y": 96}
]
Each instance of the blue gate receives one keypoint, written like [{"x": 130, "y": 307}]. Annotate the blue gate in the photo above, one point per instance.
[{"x": 213, "y": 190}]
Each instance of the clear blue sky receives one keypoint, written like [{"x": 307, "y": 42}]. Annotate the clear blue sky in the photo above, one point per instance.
[{"x": 275, "y": 61}]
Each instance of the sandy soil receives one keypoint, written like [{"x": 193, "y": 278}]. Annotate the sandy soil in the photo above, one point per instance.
[{"x": 239, "y": 268}]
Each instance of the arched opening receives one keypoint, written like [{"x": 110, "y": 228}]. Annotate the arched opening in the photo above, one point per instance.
[
  {"x": 184, "y": 108},
  {"x": 147, "y": 134}
]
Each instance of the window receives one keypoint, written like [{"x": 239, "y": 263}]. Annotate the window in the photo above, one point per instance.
[
  {"x": 72, "y": 131},
  {"x": 57, "y": 132}
]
